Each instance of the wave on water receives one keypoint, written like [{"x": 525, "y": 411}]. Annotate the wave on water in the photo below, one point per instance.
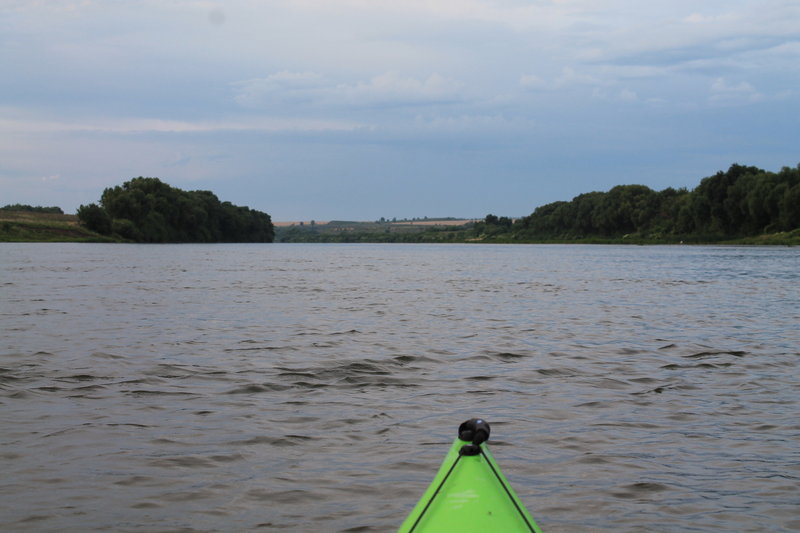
[{"x": 231, "y": 388}]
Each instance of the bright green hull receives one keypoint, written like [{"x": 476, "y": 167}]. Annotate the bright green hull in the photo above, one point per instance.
[{"x": 469, "y": 493}]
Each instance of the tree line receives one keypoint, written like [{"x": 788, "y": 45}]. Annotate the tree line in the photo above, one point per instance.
[
  {"x": 743, "y": 201},
  {"x": 151, "y": 211},
  {"x": 32, "y": 209}
]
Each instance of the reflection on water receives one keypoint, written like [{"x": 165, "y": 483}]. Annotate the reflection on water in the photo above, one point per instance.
[{"x": 317, "y": 387}]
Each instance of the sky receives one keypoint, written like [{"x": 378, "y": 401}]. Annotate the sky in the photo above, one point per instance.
[{"x": 361, "y": 109}]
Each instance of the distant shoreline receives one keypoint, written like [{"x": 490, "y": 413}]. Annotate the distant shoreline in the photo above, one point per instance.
[
  {"x": 464, "y": 231},
  {"x": 23, "y": 226},
  {"x": 418, "y": 222}
]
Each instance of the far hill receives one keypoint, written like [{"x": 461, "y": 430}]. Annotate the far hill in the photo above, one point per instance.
[{"x": 444, "y": 229}]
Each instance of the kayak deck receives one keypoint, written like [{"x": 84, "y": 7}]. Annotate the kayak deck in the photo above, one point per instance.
[{"x": 469, "y": 493}]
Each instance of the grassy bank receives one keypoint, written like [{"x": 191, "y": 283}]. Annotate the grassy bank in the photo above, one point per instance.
[
  {"x": 786, "y": 238},
  {"x": 467, "y": 231},
  {"x": 25, "y": 226}
]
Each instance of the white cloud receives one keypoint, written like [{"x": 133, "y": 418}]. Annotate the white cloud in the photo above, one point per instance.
[
  {"x": 568, "y": 78},
  {"x": 281, "y": 87},
  {"x": 27, "y": 125},
  {"x": 533, "y": 82},
  {"x": 723, "y": 92},
  {"x": 502, "y": 128},
  {"x": 391, "y": 88},
  {"x": 308, "y": 88},
  {"x": 628, "y": 95},
  {"x": 513, "y": 14}
]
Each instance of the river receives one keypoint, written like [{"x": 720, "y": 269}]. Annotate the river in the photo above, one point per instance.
[{"x": 221, "y": 388}]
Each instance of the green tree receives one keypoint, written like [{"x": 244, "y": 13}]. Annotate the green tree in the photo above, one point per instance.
[
  {"x": 790, "y": 208},
  {"x": 149, "y": 210},
  {"x": 95, "y": 218},
  {"x": 741, "y": 201}
]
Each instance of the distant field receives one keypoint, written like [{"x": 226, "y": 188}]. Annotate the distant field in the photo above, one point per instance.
[
  {"x": 295, "y": 223},
  {"x": 429, "y": 222},
  {"x": 33, "y": 216},
  {"x": 459, "y": 222}
]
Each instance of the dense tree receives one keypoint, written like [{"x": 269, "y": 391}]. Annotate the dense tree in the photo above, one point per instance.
[
  {"x": 743, "y": 201},
  {"x": 149, "y": 210},
  {"x": 95, "y": 218}
]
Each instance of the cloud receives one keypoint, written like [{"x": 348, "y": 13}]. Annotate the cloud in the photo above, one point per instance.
[
  {"x": 533, "y": 82},
  {"x": 726, "y": 93},
  {"x": 508, "y": 13},
  {"x": 28, "y": 125},
  {"x": 389, "y": 89},
  {"x": 624, "y": 95},
  {"x": 628, "y": 95},
  {"x": 567, "y": 78},
  {"x": 281, "y": 87},
  {"x": 722, "y": 32},
  {"x": 113, "y": 89}
]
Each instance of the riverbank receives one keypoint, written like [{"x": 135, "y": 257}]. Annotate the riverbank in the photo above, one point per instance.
[
  {"x": 783, "y": 238},
  {"x": 470, "y": 231},
  {"x": 26, "y": 226}
]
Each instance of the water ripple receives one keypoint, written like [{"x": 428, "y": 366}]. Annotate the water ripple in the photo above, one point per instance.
[{"x": 307, "y": 388}]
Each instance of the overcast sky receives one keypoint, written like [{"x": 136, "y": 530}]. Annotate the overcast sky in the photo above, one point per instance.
[{"x": 358, "y": 109}]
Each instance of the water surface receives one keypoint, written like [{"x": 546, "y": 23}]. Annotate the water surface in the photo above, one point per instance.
[{"x": 316, "y": 387}]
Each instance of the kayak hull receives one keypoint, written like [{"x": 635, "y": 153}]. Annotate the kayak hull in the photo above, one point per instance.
[{"x": 469, "y": 493}]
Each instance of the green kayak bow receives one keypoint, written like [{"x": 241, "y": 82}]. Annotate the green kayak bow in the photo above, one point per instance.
[{"x": 469, "y": 492}]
